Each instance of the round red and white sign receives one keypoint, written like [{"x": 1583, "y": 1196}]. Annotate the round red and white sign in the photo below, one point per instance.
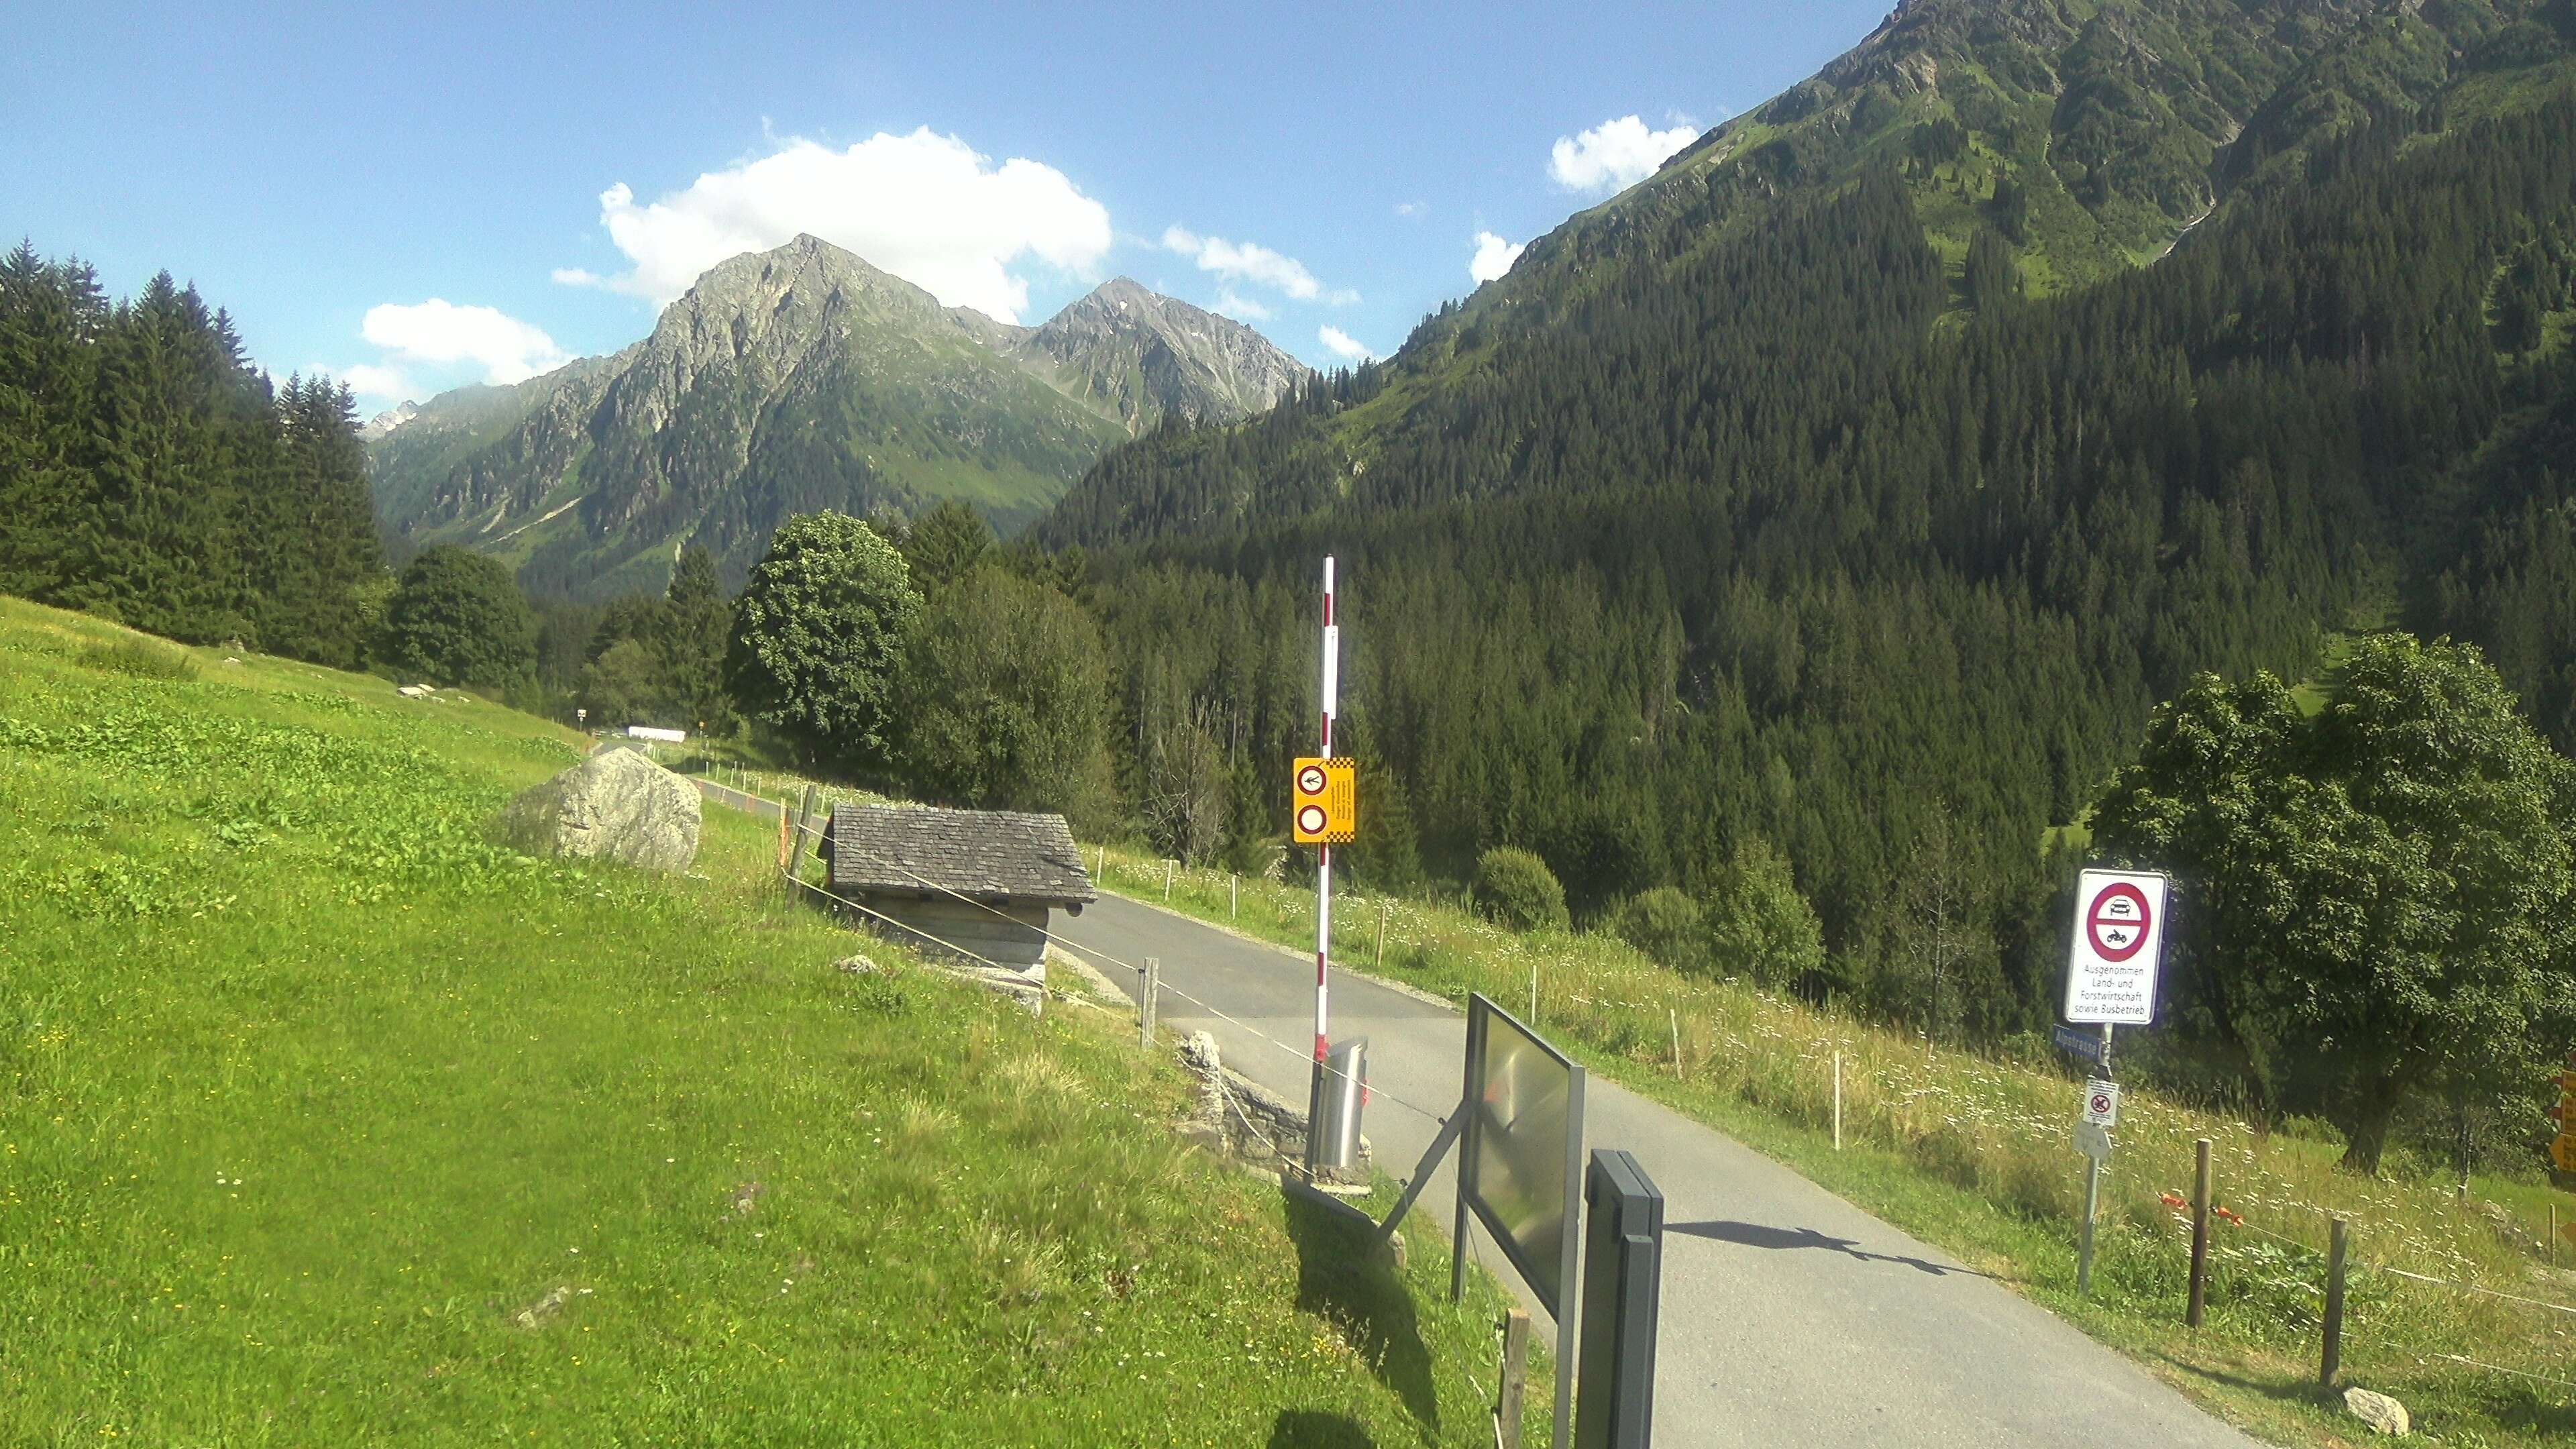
[
  {"x": 2101, "y": 1104},
  {"x": 2118, "y": 921},
  {"x": 1310, "y": 781},
  {"x": 1310, "y": 819}
]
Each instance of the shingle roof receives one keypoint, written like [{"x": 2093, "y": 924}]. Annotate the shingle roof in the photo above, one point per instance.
[{"x": 979, "y": 853}]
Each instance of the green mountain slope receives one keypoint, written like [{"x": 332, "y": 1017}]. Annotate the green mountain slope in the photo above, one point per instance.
[
  {"x": 1789, "y": 520},
  {"x": 790, "y": 381}
]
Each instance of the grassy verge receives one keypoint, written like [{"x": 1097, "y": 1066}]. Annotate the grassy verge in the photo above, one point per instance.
[
  {"x": 1975, "y": 1154},
  {"x": 324, "y": 1121}
]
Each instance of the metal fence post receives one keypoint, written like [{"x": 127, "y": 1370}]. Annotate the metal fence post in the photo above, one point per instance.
[
  {"x": 2340, "y": 1246},
  {"x": 2199, "y": 1233},
  {"x": 1145, "y": 1001}
]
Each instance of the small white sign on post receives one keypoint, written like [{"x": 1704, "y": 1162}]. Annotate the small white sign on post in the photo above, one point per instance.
[
  {"x": 2102, "y": 1103},
  {"x": 2118, "y": 947},
  {"x": 2093, "y": 1141}
]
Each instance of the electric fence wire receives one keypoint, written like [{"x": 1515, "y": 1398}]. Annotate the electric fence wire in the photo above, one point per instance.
[{"x": 1095, "y": 956}]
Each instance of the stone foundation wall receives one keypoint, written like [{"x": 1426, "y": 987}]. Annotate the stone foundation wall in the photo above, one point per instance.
[{"x": 1241, "y": 1120}]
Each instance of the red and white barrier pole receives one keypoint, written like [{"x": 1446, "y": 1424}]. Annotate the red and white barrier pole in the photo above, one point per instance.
[{"x": 1323, "y": 887}]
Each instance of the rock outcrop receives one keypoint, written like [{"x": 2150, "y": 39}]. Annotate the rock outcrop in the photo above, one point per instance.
[{"x": 616, "y": 805}]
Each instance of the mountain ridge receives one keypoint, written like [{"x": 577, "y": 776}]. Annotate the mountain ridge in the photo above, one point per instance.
[{"x": 795, "y": 379}]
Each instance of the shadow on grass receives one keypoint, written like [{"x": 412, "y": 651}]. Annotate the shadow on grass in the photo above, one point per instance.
[
  {"x": 2295, "y": 1390},
  {"x": 1308, "y": 1429},
  {"x": 1754, "y": 1235},
  {"x": 1344, "y": 1275}
]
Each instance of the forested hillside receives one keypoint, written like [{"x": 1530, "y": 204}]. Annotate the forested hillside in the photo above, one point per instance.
[
  {"x": 149, "y": 474},
  {"x": 1807, "y": 536}
]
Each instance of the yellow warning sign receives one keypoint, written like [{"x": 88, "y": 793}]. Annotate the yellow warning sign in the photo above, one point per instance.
[{"x": 1323, "y": 802}]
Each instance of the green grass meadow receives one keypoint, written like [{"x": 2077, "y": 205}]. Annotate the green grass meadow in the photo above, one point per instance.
[
  {"x": 1974, "y": 1152},
  {"x": 324, "y": 1120}
]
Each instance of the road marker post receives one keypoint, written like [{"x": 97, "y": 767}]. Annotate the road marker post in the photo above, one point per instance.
[
  {"x": 1507, "y": 1406},
  {"x": 1838, "y": 1101},
  {"x": 2338, "y": 1247},
  {"x": 2199, "y": 1234},
  {"x": 1146, "y": 1001}
]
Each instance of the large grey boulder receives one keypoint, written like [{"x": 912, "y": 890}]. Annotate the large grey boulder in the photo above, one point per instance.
[
  {"x": 616, "y": 805},
  {"x": 2379, "y": 1411}
]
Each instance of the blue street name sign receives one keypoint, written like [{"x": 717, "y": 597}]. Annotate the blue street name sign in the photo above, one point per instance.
[{"x": 2076, "y": 1041}]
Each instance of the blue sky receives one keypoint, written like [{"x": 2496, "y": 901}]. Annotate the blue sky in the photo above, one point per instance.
[{"x": 420, "y": 197}]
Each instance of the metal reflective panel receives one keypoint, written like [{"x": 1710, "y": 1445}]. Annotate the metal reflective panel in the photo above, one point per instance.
[{"x": 1518, "y": 1177}]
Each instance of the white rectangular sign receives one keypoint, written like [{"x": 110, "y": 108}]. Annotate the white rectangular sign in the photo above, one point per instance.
[
  {"x": 2102, "y": 1103},
  {"x": 2093, "y": 1141},
  {"x": 2119, "y": 944}
]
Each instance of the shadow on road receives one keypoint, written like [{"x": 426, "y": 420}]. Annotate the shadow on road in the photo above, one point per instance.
[
  {"x": 1345, "y": 1276},
  {"x": 1754, "y": 1235},
  {"x": 1308, "y": 1429}
]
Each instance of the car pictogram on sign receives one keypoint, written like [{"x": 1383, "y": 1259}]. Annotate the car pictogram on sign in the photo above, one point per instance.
[{"x": 2118, "y": 921}]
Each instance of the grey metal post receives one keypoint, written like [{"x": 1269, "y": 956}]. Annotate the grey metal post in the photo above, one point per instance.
[
  {"x": 1622, "y": 1292},
  {"x": 2084, "y": 1244},
  {"x": 1231, "y": 881},
  {"x": 2199, "y": 1233},
  {"x": 1470, "y": 1138},
  {"x": 1145, "y": 1000},
  {"x": 2337, "y": 1247}
]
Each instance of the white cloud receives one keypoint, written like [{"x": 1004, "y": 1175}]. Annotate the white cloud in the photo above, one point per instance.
[
  {"x": 1241, "y": 309},
  {"x": 1494, "y": 256},
  {"x": 1412, "y": 208},
  {"x": 1614, "y": 155},
  {"x": 1344, "y": 345},
  {"x": 1252, "y": 263},
  {"x": 926, "y": 207},
  {"x": 438, "y": 331},
  {"x": 579, "y": 277},
  {"x": 368, "y": 380}
]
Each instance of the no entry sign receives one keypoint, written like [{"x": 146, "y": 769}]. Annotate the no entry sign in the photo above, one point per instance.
[{"x": 2119, "y": 943}]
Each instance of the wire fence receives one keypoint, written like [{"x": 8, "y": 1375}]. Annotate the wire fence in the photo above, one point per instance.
[{"x": 2390, "y": 1304}]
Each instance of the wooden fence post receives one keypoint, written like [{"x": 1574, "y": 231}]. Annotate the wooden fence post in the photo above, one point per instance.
[
  {"x": 2199, "y": 1234},
  {"x": 1507, "y": 1406},
  {"x": 2338, "y": 1247},
  {"x": 1145, "y": 1002}
]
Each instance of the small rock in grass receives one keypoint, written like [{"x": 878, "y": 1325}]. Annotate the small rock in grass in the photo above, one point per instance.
[
  {"x": 543, "y": 1309},
  {"x": 745, "y": 1196},
  {"x": 2379, "y": 1411}
]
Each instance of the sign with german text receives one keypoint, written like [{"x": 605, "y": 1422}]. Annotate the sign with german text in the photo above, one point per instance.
[{"x": 2118, "y": 945}]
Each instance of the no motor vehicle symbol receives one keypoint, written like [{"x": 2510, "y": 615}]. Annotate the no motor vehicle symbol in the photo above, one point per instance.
[{"x": 2118, "y": 921}]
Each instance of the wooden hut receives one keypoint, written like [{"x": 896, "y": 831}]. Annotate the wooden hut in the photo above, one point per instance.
[{"x": 978, "y": 883}]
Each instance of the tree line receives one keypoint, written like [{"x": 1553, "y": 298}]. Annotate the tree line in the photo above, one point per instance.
[{"x": 150, "y": 474}]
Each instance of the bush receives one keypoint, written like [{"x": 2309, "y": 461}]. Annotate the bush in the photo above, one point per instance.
[
  {"x": 1665, "y": 924},
  {"x": 1760, "y": 925},
  {"x": 1516, "y": 889}
]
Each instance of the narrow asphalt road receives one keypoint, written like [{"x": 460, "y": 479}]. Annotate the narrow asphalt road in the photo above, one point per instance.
[{"x": 1790, "y": 1317}]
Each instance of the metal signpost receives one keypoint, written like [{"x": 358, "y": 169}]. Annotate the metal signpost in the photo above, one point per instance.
[
  {"x": 1520, "y": 1171},
  {"x": 2112, "y": 963}
]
